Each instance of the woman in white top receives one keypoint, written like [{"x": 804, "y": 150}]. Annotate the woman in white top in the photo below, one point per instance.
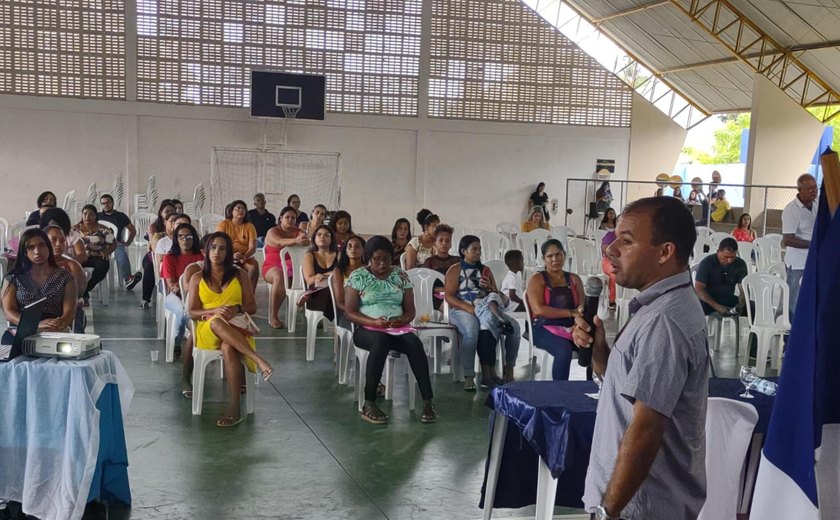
[{"x": 421, "y": 247}]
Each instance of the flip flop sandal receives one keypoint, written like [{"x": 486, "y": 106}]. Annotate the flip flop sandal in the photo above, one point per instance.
[
  {"x": 428, "y": 419},
  {"x": 227, "y": 422},
  {"x": 187, "y": 393},
  {"x": 369, "y": 415}
]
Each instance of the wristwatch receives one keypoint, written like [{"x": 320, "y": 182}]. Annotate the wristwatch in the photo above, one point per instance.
[{"x": 601, "y": 514}]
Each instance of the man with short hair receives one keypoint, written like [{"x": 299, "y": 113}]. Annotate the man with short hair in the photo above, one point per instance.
[
  {"x": 261, "y": 218},
  {"x": 648, "y": 456},
  {"x": 797, "y": 226},
  {"x": 122, "y": 222},
  {"x": 717, "y": 277}
]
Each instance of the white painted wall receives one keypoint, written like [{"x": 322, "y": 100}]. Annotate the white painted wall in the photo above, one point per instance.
[{"x": 472, "y": 173}]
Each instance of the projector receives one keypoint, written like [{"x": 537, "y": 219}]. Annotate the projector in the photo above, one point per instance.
[{"x": 62, "y": 345}]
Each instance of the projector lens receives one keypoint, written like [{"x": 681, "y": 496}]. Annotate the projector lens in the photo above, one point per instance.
[{"x": 65, "y": 348}]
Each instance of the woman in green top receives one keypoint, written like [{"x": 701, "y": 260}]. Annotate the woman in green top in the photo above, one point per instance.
[{"x": 379, "y": 300}]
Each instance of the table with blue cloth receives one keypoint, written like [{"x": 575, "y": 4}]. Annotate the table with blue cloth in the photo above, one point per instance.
[
  {"x": 62, "y": 442},
  {"x": 547, "y": 427}
]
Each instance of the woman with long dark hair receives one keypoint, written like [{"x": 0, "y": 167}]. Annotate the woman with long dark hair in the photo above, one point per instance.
[
  {"x": 539, "y": 199},
  {"x": 349, "y": 259},
  {"x": 318, "y": 263},
  {"x": 342, "y": 225},
  {"x": 243, "y": 235},
  {"x": 744, "y": 232},
  {"x": 221, "y": 292},
  {"x": 400, "y": 235},
  {"x": 155, "y": 230},
  {"x": 609, "y": 221},
  {"x": 36, "y": 276},
  {"x": 379, "y": 299},
  {"x": 422, "y": 246},
  {"x": 285, "y": 234},
  {"x": 58, "y": 244},
  {"x": 99, "y": 243}
]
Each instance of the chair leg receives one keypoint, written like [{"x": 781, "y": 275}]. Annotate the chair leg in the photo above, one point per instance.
[
  {"x": 390, "y": 372},
  {"x": 312, "y": 320},
  {"x": 171, "y": 331},
  {"x": 199, "y": 367},
  {"x": 250, "y": 398},
  {"x": 361, "y": 376},
  {"x": 412, "y": 390}
]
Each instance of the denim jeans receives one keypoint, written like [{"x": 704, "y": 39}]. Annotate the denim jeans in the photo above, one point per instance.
[
  {"x": 488, "y": 321},
  {"x": 794, "y": 279},
  {"x": 473, "y": 340},
  {"x": 123, "y": 263},
  {"x": 175, "y": 305},
  {"x": 559, "y": 348}
]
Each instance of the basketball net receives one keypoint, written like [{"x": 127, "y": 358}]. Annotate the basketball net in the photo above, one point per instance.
[{"x": 289, "y": 115}]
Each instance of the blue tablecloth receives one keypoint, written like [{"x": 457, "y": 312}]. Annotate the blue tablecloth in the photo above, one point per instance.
[
  {"x": 556, "y": 420},
  {"x": 62, "y": 441}
]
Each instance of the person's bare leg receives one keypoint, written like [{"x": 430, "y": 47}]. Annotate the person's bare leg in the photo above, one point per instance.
[
  {"x": 236, "y": 340},
  {"x": 253, "y": 271},
  {"x": 275, "y": 297},
  {"x": 233, "y": 374}
]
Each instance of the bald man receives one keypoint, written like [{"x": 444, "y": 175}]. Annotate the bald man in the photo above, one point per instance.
[{"x": 797, "y": 225}]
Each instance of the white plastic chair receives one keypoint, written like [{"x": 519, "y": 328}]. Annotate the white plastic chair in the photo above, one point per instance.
[
  {"x": 715, "y": 240},
  {"x": 296, "y": 287},
  {"x": 586, "y": 257},
  {"x": 509, "y": 229},
  {"x": 749, "y": 254},
  {"x": 563, "y": 231},
  {"x": 499, "y": 270},
  {"x": 493, "y": 246},
  {"x": 402, "y": 261},
  {"x": 113, "y": 271},
  {"x": 623, "y": 297},
  {"x": 423, "y": 281},
  {"x": 207, "y": 223},
  {"x": 702, "y": 241},
  {"x": 729, "y": 431},
  {"x": 313, "y": 317},
  {"x": 69, "y": 201},
  {"x": 4, "y": 233},
  {"x": 769, "y": 322},
  {"x": 202, "y": 358},
  {"x": 770, "y": 251},
  {"x": 388, "y": 373},
  {"x": 778, "y": 269},
  {"x": 17, "y": 228},
  {"x": 546, "y": 363},
  {"x": 343, "y": 340}
]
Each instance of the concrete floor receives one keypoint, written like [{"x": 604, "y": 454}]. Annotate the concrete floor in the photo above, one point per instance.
[{"x": 305, "y": 454}]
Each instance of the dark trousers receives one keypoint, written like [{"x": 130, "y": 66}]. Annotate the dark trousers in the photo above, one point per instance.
[
  {"x": 321, "y": 301},
  {"x": 148, "y": 277},
  {"x": 379, "y": 344},
  {"x": 100, "y": 271}
]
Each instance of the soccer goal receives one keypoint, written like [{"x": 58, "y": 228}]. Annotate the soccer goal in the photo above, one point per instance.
[{"x": 239, "y": 173}]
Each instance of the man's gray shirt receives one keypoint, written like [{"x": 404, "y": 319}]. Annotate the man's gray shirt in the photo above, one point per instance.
[{"x": 661, "y": 359}]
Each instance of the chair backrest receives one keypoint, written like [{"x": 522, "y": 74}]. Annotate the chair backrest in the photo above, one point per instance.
[
  {"x": 528, "y": 244},
  {"x": 749, "y": 254},
  {"x": 457, "y": 234},
  {"x": 112, "y": 227},
  {"x": 563, "y": 231},
  {"x": 142, "y": 220},
  {"x": 16, "y": 228},
  {"x": 402, "y": 261},
  {"x": 199, "y": 197},
  {"x": 695, "y": 263},
  {"x": 770, "y": 250},
  {"x": 493, "y": 246},
  {"x": 599, "y": 237},
  {"x": 4, "y": 233},
  {"x": 481, "y": 232},
  {"x": 778, "y": 269},
  {"x": 92, "y": 195},
  {"x": 508, "y": 229},
  {"x": 765, "y": 289},
  {"x": 207, "y": 223},
  {"x": 729, "y": 431},
  {"x": 118, "y": 191},
  {"x": 715, "y": 240},
  {"x": 69, "y": 201},
  {"x": 183, "y": 281},
  {"x": 585, "y": 256},
  {"x": 332, "y": 296},
  {"x": 151, "y": 192},
  {"x": 499, "y": 270},
  {"x": 295, "y": 255},
  {"x": 543, "y": 234},
  {"x": 423, "y": 280}
]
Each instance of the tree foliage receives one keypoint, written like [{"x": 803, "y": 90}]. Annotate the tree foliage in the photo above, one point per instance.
[{"x": 727, "y": 146}]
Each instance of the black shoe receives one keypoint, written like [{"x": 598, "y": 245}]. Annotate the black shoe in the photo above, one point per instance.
[
  {"x": 134, "y": 281},
  {"x": 506, "y": 328}
]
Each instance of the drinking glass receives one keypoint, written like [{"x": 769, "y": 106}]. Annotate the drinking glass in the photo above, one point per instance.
[
  {"x": 748, "y": 377},
  {"x": 598, "y": 381}
]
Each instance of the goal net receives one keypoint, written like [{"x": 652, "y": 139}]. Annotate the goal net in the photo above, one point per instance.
[{"x": 239, "y": 173}]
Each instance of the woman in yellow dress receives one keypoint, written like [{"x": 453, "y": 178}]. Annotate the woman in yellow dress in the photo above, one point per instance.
[{"x": 217, "y": 294}]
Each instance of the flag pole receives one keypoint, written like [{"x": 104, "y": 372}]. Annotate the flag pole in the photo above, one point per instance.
[{"x": 831, "y": 177}]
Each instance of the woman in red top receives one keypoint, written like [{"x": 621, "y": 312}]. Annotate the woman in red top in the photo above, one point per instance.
[
  {"x": 184, "y": 251},
  {"x": 744, "y": 232},
  {"x": 286, "y": 234}
]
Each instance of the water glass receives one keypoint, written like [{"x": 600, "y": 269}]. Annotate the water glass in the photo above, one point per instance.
[{"x": 748, "y": 378}]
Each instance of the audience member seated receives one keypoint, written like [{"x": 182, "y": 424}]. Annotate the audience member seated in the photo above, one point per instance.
[
  {"x": 441, "y": 261},
  {"x": 349, "y": 259},
  {"x": 99, "y": 243},
  {"x": 342, "y": 226},
  {"x": 316, "y": 219},
  {"x": 179, "y": 206},
  {"x": 261, "y": 218},
  {"x": 124, "y": 236},
  {"x": 379, "y": 299},
  {"x": 608, "y": 222},
  {"x": 678, "y": 195},
  {"x": 318, "y": 263},
  {"x": 744, "y": 232},
  {"x": 183, "y": 252},
  {"x": 301, "y": 218},
  {"x": 75, "y": 245},
  {"x": 421, "y": 247},
  {"x": 400, "y": 235},
  {"x": 535, "y": 220},
  {"x": 285, "y": 234},
  {"x": 555, "y": 297},
  {"x": 44, "y": 202},
  {"x": 34, "y": 277},
  {"x": 163, "y": 243},
  {"x": 512, "y": 283},
  {"x": 696, "y": 196},
  {"x": 717, "y": 277},
  {"x": 720, "y": 206},
  {"x": 155, "y": 230},
  {"x": 606, "y": 266},
  {"x": 477, "y": 312},
  {"x": 217, "y": 295},
  {"x": 58, "y": 242},
  {"x": 244, "y": 237}
]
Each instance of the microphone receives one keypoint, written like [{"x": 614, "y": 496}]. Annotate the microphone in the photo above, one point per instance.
[{"x": 592, "y": 292}]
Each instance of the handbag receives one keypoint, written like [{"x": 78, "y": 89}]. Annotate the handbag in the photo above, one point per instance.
[{"x": 243, "y": 323}]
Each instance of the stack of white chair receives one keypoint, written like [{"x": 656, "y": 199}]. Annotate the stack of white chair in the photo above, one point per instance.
[
  {"x": 770, "y": 322},
  {"x": 118, "y": 191}
]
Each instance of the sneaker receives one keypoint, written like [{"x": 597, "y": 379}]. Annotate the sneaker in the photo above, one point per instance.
[
  {"x": 135, "y": 279},
  {"x": 144, "y": 304}
]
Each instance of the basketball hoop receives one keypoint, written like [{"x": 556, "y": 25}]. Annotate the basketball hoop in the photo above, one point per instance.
[{"x": 290, "y": 113}]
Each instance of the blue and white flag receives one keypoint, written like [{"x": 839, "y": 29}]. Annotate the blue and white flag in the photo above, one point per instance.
[{"x": 800, "y": 457}]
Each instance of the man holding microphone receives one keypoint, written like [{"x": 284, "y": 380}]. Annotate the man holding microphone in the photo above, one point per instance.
[{"x": 648, "y": 450}]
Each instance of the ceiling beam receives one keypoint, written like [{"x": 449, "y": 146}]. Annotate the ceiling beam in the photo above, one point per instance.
[
  {"x": 798, "y": 49},
  {"x": 632, "y": 10},
  {"x": 741, "y": 36}
]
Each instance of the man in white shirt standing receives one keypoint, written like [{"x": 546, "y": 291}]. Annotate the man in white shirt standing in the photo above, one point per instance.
[{"x": 797, "y": 226}]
